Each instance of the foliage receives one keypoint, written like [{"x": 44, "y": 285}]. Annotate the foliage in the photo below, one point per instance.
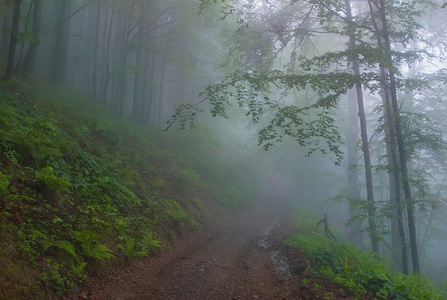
[
  {"x": 187, "y": 180},
  {"x": 91, "y": 245},
  {"x": 177, "y": 215},
  {"x": 361, "y": 272},
  {"x": 80, "y": 190},
  {"x": 54, "y": 182},
  {"x": 311, "y": 125},
  {"x": 4, "y": 183}
]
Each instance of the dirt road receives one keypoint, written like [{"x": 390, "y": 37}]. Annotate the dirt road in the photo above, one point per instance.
[{"x": 242, "y": 258}]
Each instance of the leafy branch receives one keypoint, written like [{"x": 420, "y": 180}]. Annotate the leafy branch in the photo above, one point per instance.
[{"x": 308, "y": 121}]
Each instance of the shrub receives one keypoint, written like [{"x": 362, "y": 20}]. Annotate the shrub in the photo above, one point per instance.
[
  {"x": 187, "y": 180},
  {"x": 4, "y": 183},
  {"x": 361, "y": 272}
]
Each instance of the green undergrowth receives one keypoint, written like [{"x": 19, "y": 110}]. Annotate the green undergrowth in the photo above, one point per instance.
[
  {"x": 365, "y": 274},
  {"x": 81, "y": 190}
]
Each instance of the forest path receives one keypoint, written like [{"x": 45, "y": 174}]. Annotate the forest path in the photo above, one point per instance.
[{"x": 239, "y": 259}]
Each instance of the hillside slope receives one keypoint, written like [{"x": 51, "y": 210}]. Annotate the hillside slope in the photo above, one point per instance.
[{"x": 81, "y": 191}]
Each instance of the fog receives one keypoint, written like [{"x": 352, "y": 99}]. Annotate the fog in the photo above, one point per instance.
[{"x": 271, "y": 80}]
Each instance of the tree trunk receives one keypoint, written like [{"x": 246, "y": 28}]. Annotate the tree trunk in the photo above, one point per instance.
[
  {"x": 94, "y": 92},
  {"x": 22, "y": 44},
  {"x": 5, "y": 37},
  {"x": 384, "y": 43},
  {"x": 120, "y": 81},
  {"x": 107, "y": 57},
  {"x": 149, "y": 103},
  {"x": 140, "y": 64},
  {"x": 353, "y": 179},
  {"x": 398, "y": 239},
  {"x": 13, "y": 41},
  {"x": 60, "y": 50},
  {"x": 29, "y": 62},
  {"x": 161, "y": 93},
  {"x": 365, "y": 142}
]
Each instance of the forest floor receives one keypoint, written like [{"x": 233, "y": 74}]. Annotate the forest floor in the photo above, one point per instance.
[{"x": 241, "y": 258}]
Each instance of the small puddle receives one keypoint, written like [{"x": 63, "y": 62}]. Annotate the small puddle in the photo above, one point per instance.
[{"x": 279, "y": 260}]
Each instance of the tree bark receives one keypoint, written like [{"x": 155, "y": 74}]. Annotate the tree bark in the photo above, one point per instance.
[
  {"x": 60, "y": 50},
  {"x": 94, "y": 92},
  {"x": 138, "y": 89},
  {"x": 13, "y": 41},
  {"x": 353, "y": 176},
  {"x": 398, "y": 239},
  {"x": 365, "y": 142},
  {"x": 22, "y": 44},
  {"x": 107, "y": 57},
  {"x": 29, "y": 62},
  {"x": 385, "y": 44},
  {"x": 5, "y": 37}
]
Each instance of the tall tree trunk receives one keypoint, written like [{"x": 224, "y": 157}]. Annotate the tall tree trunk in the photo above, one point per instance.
[
  {"x": 119, "y": 55},
  {"x": 29, "y": 62},
  {"x": 60, "y": 50},
  {"x": 398, "y": 239},
  {"x": 94, "y": 92},
  {"x": 13, "y": 40},
  {"x": 22, "y": 44},
  {"x": 107, "y": 57},
  {"x": 385, "y": 44},
  {"x": 5, "y": 37},
  {"x": 120, "y": 81},
  {"x": 353, "y": 180},
  {"x": 106, "y": 11},
  {"x": 138, "y": 89},
  {"x": 161, "y": 92},
  {"x": 147, "y": 87},
  {"x": 149, "y": 103},
  {"x": 365, "y": 142}
]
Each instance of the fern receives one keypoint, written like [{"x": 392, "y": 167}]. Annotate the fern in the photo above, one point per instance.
[
  {"x": 148, "y": 243},
  {"x": 91, "y": 246},
  {"x": 67, "y": 247},
  {"x": 54, "y": 182}
]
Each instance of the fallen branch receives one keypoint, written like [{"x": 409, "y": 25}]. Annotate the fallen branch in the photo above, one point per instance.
[{"x": 326, "y": 227}]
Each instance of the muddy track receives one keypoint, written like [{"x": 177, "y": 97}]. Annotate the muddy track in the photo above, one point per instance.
[{"x": 242, "y": 258}]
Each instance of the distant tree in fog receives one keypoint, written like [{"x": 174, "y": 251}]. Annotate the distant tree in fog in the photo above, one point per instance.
[
  {"x": 13, "y": 40},
  {"x": 29, "y": 63}
]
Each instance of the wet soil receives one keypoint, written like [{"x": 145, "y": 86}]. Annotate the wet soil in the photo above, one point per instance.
[{"x": 242, "y": 258}]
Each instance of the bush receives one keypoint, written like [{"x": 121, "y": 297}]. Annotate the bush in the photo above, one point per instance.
[
  {"x": 4, "y": 183},
  {"x": 361, "y": 272},
  {"x": 187, "y": 180}
]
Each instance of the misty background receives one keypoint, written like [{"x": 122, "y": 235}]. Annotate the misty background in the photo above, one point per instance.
[{"x": 256, "y": 73}]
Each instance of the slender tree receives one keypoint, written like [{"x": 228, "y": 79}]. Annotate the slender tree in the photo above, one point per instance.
[
  {"x": 5, "y": 35},
  {"x": 59, "y": 70},
  {"x": 95, "y": 63},
  {"x": 140, "y": 63},
  {"x": 13, "y": 40},
  {"x": 379, "y": 19},
  {"x": 364, "y": 135},
  {"x": 29, "y": 62},
  {"x": 352, "y": 138},
  {"x": 398, "y": 239}
]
